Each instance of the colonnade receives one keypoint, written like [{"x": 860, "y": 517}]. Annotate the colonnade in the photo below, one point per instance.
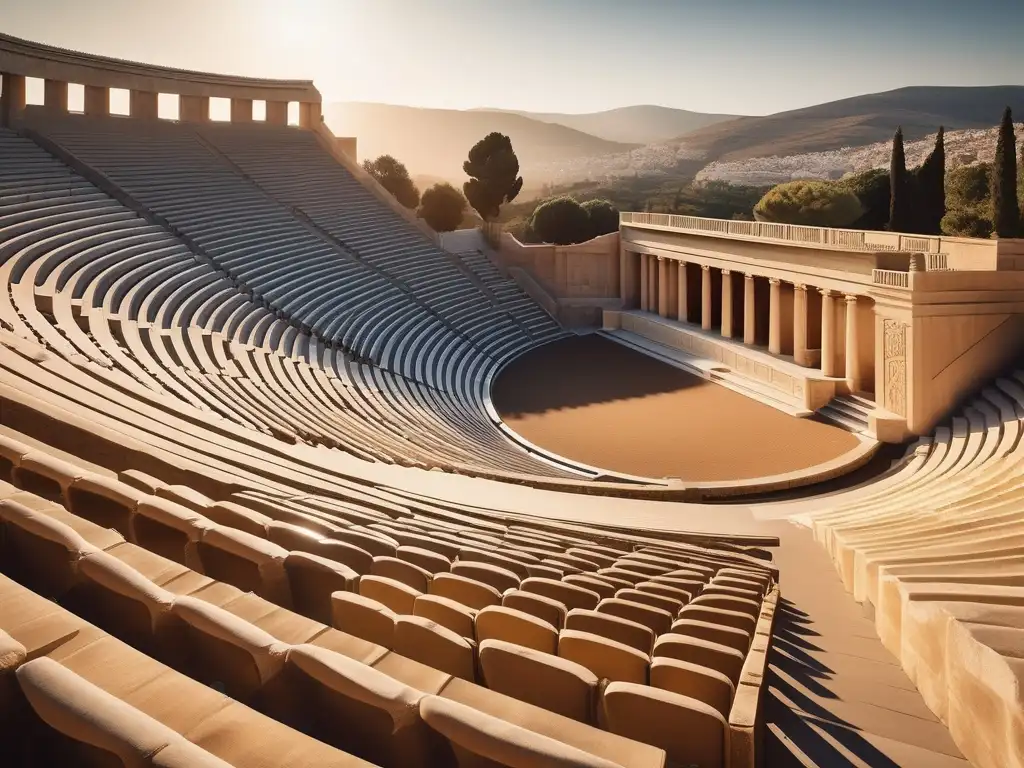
[
  {"x": 816, "y": 326},
  {"x": 143, "y": 104}
]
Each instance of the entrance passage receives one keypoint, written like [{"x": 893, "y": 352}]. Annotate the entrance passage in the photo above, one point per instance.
[{"x": 597, "y": 402}]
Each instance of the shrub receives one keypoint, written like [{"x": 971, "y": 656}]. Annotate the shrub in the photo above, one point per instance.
[
  {"x": 810, "y": 203},
  {"x": 561, "y": 220},
  {"x": 442, "y": 207},
  {"x": 967, "y": 222},
  {"x": 872, "y": 189},
  {"x": 604, "y": 217},
  {"x": 969, "y": 185},
  {"x": 394, "y": 177}
]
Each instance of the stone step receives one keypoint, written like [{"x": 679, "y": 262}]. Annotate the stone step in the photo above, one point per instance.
[
  {"x": 710, "y": 370},
  {"x": 853, "y": 410},
  {"x": 848, "y": 412},
  {"x": 834, "y": 416}
]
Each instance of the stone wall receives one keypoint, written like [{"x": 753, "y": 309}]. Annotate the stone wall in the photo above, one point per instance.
[{"x": 587, "y": 270}]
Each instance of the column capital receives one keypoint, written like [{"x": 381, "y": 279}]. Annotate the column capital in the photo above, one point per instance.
[
  {"x": 774, "y": 281},
  {"x": 705, "y": 267},
  {"x": 851, "y": 298},
  {"x": 659, "y": 257},
  {"x": 748, "y": 276},
  {"x": 726, "y": 272},
  {"x": 799, "y": 287},
  {"x": 828, "y": 293}
]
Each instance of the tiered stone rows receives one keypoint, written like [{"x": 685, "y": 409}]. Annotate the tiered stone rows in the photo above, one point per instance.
[
  {"x": 937, "y": 551},
  {"x": 297, "y": 171},
  {"x": 127, "y": 553},
  {"x": 91, "y": 279},
  {"x": 182, "y": 482}
]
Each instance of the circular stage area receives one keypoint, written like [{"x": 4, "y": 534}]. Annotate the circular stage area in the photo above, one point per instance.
[{"x": 600, "y": 403}]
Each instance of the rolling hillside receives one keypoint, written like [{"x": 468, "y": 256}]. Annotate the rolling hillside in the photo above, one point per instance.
[
  {"x": 641, "y": 124},
  {"x": 435, "y": 142},
  {"x": 856, "y": 121},
  {"x": 962, "y": 148}
]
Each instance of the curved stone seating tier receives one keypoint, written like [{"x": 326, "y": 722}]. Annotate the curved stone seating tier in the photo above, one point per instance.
[
  {"x": 89, "y": 278},
  {"x": 296, "y": 170},
  {"x": 176, "y": 290},
  {"x": 75, "y": 557},
  {"x": 939, "y": 554},
  {"x": 510, "y": 297},
  {"x": 345, "y": 290}
]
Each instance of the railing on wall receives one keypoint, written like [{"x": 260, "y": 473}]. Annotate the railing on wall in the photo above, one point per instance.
[
  {"x": 851, "y": 239},
  {"x": 890, "y": 278}
]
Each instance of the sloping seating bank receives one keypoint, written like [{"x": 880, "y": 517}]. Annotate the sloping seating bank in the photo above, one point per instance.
[
  {"x": 121, "y": 558},
  {"x": 92, "y": 280},
  {"x": 937, "y": 551},
  {"x": 207, "y": 339}
]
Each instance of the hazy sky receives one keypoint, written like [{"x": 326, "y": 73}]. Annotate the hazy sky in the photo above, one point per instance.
[{"x": 735, "y": 56}]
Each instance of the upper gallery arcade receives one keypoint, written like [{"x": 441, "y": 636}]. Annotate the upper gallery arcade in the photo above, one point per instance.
[{"x": 147, "y": 87}]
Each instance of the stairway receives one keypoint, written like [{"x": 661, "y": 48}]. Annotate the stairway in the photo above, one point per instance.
[{"x": 848, "y": 411}]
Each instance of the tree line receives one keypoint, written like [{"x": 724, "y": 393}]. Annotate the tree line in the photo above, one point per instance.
[
  {"x": 493, "y": 171},
  {"x": 979, "y": 200},
  {"x": 494, "y": 181}
]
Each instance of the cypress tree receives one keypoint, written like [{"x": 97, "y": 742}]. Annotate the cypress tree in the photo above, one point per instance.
[
  {"x": 1005, "y": 210},
  {"x": 931, "y": 189},
  {"x": 900, "y": 211}
]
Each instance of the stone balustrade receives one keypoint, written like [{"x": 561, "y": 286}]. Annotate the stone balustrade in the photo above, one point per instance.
[
  {"x": 959, "y": 253},
  {"x": 890, "y": 278}
]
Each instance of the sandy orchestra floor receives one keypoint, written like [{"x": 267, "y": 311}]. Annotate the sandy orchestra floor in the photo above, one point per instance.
[{"x": 598, "y": 402}]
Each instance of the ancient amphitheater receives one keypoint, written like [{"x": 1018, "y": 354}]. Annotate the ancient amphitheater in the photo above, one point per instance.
[{"x": 258, "y": 507}]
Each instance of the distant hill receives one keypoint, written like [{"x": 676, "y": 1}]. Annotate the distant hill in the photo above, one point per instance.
[
  {"x": 963, "y": 147},
  {"x": 856, "y": 121},
  {"x": 435, "y": 142},
  {"x": 641, "y": 124}
]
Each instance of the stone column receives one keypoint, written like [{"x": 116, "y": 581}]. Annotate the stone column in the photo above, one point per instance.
[
  {"x": 652, "y": 283},
  {"x": 12, "y": 100},
  {"x": 852, "y": 341},
  {"x": 644, "y": 283},
  {"x": 194, "y": 109},
  {"x": 727, "y": 303},
  {"x": 749, "y": 313},
  {"x": 705, "y": 297},
  {"x": 800, "y": 355},
  {"x": 663, "y": 286},
  {"x": 629, "y": 291},
  {"x": 828, "y": 332},
  {"x": 277, "y": 112},
  {"x": 97, "y": 100},
  {"x": 143, "y": 105},
  {"x": 682, "y": 308},
  {"x": 55, "y": 96},
  {"x": 241, "y": 110},
  {"x": 775, "y": 316},
  {"x": 309, "y": 114},
  {"x": 672, "y": 284}
]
